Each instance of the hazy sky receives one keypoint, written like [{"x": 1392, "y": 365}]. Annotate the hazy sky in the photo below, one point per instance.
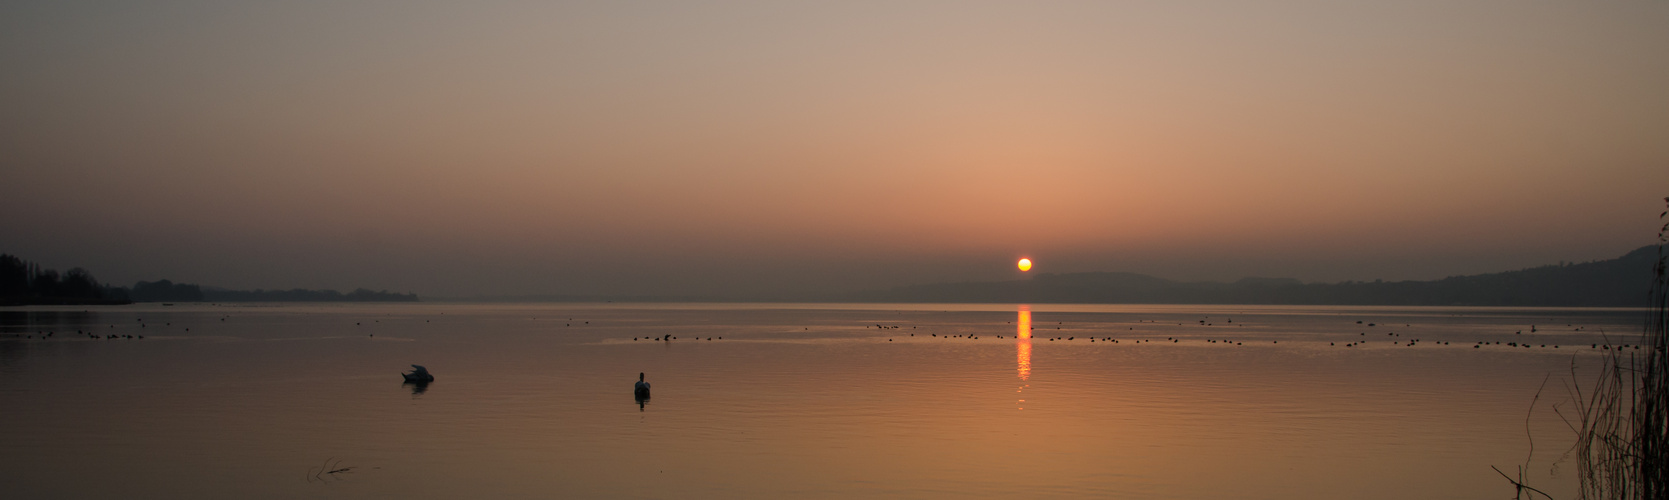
[{"x": 682, "y": 147}]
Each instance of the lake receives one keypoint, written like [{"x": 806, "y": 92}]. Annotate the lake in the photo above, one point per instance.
[{"x": 791, "y": 400}]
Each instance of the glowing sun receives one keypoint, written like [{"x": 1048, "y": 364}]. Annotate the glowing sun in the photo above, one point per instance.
[{"x": 1025, "y": 265}]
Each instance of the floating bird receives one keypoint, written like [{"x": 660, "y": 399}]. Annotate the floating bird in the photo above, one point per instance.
[
  {"x": 418, "y": 374},
  {"x": 641, "y": 389}
]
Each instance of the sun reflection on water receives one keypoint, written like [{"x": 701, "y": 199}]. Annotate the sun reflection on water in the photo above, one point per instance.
[
  {"x": 1023, "y": 348},
  {"x": 1025, "y": 322}
]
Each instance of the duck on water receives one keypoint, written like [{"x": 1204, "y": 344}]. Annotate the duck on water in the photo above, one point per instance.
[{"x": 418, "y": 374}]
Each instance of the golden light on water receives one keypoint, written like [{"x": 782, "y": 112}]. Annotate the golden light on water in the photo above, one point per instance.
[
  {"x": 1023, "y": 344},
  {"x": 1023, "y": 351},
  {"x": 1024, "y": 324},
  {"x": 1025, "y": 265}
]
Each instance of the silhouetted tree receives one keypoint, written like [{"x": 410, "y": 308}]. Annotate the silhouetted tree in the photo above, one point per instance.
[
  {"x": 14, "y": 277},
  {"x": 23, "y": 282},
  {"x": 78, "y": 282},
  {"x": 45, "y": 283}
]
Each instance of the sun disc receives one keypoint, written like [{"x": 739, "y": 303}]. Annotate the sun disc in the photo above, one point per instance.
[{"x": 1025, "y": 265}]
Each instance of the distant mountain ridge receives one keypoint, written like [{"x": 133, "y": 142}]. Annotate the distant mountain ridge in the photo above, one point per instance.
[{"x": 1620, "y": 282}]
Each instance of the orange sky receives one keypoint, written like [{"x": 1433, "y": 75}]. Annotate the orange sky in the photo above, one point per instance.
[{"x": 754, "y": 146}]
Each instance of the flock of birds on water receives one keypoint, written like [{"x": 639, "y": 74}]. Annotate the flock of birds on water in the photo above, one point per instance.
[
  {"x": 421, "y": 375},
  {"x": 45, "y": 335},
  {"x": 1404, "y": 342}
]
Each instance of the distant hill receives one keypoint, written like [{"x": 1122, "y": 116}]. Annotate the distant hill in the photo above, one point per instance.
[{"x": 1620, "y": 282}]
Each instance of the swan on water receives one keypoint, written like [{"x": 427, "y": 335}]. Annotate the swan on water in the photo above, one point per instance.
[{"x": 641, "y": 390}]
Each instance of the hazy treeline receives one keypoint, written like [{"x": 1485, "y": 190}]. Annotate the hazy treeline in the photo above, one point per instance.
[
  {"x": 23, "y": 282},
  {"x": 300, "y": 295},
  {"x": 1623, "y": 281},
  {"x": 167, "y": 291}
]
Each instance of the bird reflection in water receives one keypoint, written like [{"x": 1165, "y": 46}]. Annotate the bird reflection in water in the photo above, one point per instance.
[
  {"x": 417, "y": 388},
  {"x": 1023, "y": 349}
]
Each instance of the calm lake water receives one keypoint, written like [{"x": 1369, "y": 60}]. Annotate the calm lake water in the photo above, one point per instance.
[{"x": 795, "y": 400}]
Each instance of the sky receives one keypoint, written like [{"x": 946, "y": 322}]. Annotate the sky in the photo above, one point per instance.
[{"x": 736, "y": 148}]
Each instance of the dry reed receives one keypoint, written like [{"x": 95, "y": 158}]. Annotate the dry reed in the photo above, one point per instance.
[{"x": 1622, "y": 423}]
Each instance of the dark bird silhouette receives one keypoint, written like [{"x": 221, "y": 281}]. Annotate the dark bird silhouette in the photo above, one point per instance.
[
  {"x": 418, "y": 374},
  {"x": 641, "y": 389}
]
